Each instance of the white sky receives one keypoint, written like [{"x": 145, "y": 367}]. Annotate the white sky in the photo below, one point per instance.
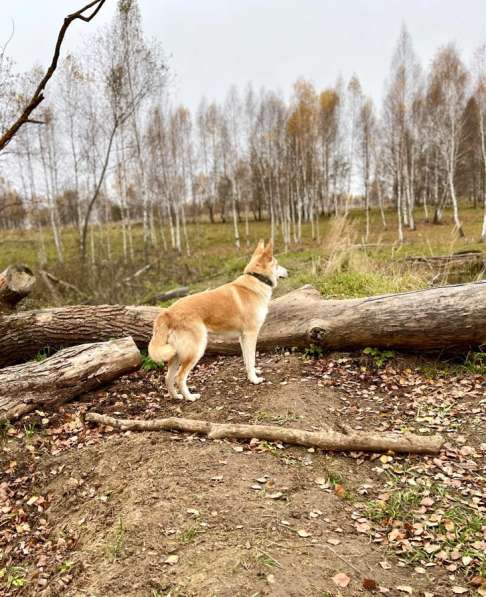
[{"x": 215, "y": 43}]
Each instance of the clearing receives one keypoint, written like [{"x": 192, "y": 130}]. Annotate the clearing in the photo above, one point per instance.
[{"x": 89, "y": 511}]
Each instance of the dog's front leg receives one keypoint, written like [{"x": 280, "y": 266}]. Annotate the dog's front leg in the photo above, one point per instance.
[{"x": 248, "y": 342}]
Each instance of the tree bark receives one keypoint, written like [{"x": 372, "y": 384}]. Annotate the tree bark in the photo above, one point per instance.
[
  {"x": 442, "y": 318},
  {"x": 16, "y": 282},
  {"x": 67, "y": 374},
  {"x": 350, "y": 440}
]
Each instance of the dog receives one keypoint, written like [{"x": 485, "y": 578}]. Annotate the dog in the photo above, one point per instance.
[{"x": 180, "y": 332}]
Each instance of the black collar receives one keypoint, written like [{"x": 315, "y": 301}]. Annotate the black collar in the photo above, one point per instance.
[{"x": 265, "y": 279}]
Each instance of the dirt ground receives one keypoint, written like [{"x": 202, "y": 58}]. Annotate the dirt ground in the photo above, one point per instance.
[{"x": 90, "y": 511}]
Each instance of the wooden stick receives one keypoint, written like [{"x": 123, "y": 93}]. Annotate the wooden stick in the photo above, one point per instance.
[{"x": 355, "y": 441}]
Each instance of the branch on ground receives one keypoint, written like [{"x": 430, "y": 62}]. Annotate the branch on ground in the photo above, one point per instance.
[{"x": 352, "y": 441}]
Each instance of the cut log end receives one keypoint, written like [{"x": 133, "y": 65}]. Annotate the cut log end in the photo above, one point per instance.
[{"x": 16, "y": 282}]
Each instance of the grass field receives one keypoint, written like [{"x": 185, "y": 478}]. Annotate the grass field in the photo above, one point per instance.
[{"x": 339, "y": 264}]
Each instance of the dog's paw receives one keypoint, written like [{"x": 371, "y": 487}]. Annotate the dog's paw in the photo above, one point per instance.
[
  {"x": 258, "y": 370},
  {"x": 177, "y": 396},
  {"x": 193, "y": 397},
  {"x": 256, "y": 380}
]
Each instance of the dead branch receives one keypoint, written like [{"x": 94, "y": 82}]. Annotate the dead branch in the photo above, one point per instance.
[
  {"x": 38, "y": 96},
  {"x": 355, "y": 441},
  {"x": 161, "y": 297},
  {"x": 48, "y": 276}
]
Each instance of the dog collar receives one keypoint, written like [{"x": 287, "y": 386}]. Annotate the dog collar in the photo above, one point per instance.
[{"x": 265, "y": 279}]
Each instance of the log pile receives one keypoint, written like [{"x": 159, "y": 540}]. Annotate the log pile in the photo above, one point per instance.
[{"x": 438, "y": 318}]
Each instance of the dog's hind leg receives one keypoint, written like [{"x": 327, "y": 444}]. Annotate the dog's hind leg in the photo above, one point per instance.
[
  {"x": 172, "y": 367},
  {"x": 194, "y": 348}
]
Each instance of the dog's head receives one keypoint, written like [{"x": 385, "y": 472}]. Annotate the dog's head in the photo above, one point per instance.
[{"x": 263, "y": 262}]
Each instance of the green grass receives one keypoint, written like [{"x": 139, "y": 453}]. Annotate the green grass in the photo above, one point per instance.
[
  {"x": 115, "y": 546},
  {"x": 13, "y": 577},
  {"x": 148, "y": 364},
  {"x": 30, "y": 430},
  {"x": 65, "y": 567},
  {"x": 380, "y": 357},
  {"x": 190, "y": 534},
  {"x": 339, "y": 266},
  {"x": 399, "y": 506},
  {"x": 42, "y": 355},
  {"x": 265, "y": 416}
]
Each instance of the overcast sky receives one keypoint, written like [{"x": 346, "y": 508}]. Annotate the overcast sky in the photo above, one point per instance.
[{"x": 215, "y": 43}]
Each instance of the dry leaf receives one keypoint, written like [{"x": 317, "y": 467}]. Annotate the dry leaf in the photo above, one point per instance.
[
  {"x": 171, "y": 560},
  {"x": 459, "y": 590},
  {"x": 339, "y": 490},
  {"x": 303, "y": 533},
  {"x": 405, "y": 589},
  {"x": 341, "y": 580},
  {"x": 369, "y": 584},
  {"x": 477, "y": 581},
  {"x": 362, "y": 527}
]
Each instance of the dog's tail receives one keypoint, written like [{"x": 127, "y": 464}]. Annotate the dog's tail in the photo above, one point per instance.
[{"x": 159, "y": 348}]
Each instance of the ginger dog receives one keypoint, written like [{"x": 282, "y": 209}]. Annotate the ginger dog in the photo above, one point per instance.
[{"x": 181, "y": 331}]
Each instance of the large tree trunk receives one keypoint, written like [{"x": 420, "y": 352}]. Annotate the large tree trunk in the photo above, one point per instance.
[
  {"x": 348, "y": 440},
  {"x": 67, "y": 374},
  {"x": 448, "y": 317},
  {"x": 16, "y": 282}
]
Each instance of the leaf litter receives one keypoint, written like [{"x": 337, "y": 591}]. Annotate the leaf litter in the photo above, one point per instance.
[{"x": 425, "y": 514}]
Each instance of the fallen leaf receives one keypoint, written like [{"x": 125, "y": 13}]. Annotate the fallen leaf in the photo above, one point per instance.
[
  {"x": 477, "y": 581},
  {"x": 339, "y": 490},
  {"x": 274, "y": 496},
  {"x": 341, "y": 580},
  {"x": 303, "y": 533},
  {"x": 362, "y": 527},
  {"x": 369, "y": 584},
  {"x": 171, "y": 560},
  {"x": 459, "y": 590},
  {"x": 385, "y": 565}
]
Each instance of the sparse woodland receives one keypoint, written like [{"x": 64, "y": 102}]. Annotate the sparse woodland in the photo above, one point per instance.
[
  {"x": 113, "y": 148},
  {"x": 115, "y": 201}
]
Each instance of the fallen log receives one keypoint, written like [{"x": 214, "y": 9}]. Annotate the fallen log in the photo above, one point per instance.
[
  {"x": 351, "y": 441},
  {"x": 161, "y": 297},
  {"x": 48, "y": 278},
  {"x": 16, "y": 282},
  {"x": 441, "y": 318},
  {"x": 67, "y": 374}
]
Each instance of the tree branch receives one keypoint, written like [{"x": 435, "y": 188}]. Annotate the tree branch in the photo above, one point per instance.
[
  {"x": 356, "y": 441},
  {"x": 38, "y": 96}
]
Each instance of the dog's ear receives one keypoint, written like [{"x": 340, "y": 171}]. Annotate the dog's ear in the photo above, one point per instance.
[
  {"x": 260, "y": 247},
  {"x": 269, "y": 249}
]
